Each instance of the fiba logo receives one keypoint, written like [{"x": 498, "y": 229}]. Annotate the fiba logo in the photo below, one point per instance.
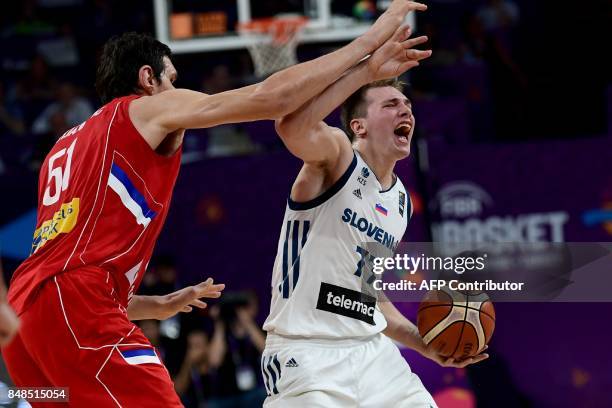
[
  {"x": 468, "y": 216},
  {"x": 461, "y": 199}
]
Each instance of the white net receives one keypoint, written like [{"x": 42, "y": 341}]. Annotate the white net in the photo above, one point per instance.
[{"x": 275, "y": 43}]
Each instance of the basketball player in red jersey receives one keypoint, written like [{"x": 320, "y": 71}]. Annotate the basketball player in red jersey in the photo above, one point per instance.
[{"x": 104, "y": 192}]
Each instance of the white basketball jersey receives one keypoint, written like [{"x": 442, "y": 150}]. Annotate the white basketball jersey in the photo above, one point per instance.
[{"x": 319, "y": 275}]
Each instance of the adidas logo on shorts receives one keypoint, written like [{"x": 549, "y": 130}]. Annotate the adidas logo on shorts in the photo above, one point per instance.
[{"x": 292, "y": 363}]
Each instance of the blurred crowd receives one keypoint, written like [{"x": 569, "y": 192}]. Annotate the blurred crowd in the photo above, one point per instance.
[
  {"x": 492, "y": 76},
  {"x": 213, "y": 354}
]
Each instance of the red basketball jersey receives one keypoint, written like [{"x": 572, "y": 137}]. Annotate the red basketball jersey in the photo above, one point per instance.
[{"x": 102, "y": 200}]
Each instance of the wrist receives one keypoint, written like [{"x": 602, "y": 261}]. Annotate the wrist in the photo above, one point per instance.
[
  {"x": 155, "y": 305},
  {"x": 421, "y": 348},
  {"x": 364, "y": 74},
  {"x": 366, "y": 43}
]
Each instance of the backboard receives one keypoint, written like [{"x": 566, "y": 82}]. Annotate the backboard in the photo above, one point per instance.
[{"x": 188, "y": 26}]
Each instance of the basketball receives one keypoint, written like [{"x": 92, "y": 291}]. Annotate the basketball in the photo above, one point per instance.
[{"x": 456, "y": 324}]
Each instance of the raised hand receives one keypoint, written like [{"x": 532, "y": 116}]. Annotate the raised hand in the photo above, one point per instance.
[
  {"x": 184, "y": 300},
  {"x": 397, "y": 55},
  {"x": 387, "y": 24}
]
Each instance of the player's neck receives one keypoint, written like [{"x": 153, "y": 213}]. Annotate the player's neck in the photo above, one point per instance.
[{"x": 381, "y": 165}]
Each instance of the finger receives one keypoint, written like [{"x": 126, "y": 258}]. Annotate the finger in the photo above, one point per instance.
[
  {"x": 480, "y": 357},
  {"x": 411, "y": 42},
  {"x": 402, "y": 33},
  {"x": 211, "y": 295},
  {"x": 213, "y": 291},
  {"x": 417, "y": 55},
  {"x": 472, "y": 360},
  {"x": 186, "y": 309},
  {"x": 413, "y": 5},
  {"x": 406, "y": 66},
  {"x": 207, "y": 282},
  {"x": 198, "y": 303},
  {"x": 448, "y": 362}
]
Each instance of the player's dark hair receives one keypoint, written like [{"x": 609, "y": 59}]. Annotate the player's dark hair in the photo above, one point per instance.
[
  {"x": 121, "y": 59},
  {"x": 356, "y": 107}
]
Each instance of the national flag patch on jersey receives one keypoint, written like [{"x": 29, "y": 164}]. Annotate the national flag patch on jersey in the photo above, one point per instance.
[
  {"x": 132, "y": 192},
  {"x": 381, "y": 209},
  {"x": 140, "y": 356}
]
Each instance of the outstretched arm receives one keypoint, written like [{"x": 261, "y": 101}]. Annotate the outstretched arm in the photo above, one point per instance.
[
  {"x": 303, "y": 131},
  {"x": 282, "y": 93},
  {"x": 166, "y": 306}
]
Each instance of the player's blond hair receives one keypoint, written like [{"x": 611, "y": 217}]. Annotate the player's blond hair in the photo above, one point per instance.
[{"x": 355, "y": 106}]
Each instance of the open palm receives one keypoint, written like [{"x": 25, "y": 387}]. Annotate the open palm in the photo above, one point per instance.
[{"x": 397, "y": 55}]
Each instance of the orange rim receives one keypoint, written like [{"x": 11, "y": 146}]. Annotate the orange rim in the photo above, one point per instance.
[{"x": 281, "y": 29}]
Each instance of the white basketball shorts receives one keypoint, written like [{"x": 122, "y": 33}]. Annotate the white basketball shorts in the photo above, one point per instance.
[{"x": 339, "y": 373}]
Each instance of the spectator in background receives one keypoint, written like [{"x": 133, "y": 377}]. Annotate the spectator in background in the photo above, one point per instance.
[
  {"x": 35, "y": 90},
  {"x": 168, "y": 349},
  {"x": 228, "y": 139},
  {"x": 43, "y": 143},
  {"x": 192, "y": 382},
  {"x": 74, "y": 108},
  {"x": 218, "y": 80},
  {"x": 150, "y": 329},
  {"x": 161, "y": 278},
  {"x": 29, "y": 23},
  {"x": 11, "y": 116},
  {"x": 492, "y": 30},
  {"x": 498, "y": 15},
  {"x": 235, "y": 353}
]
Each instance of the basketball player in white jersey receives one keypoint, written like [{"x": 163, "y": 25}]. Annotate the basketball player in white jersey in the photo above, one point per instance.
[{"x": 328, "y": 342}]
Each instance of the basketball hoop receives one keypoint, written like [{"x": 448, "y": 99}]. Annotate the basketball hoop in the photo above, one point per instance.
[{"x": 274, "y": 42}]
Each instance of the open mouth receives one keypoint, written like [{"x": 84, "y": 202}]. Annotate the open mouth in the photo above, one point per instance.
[{"x": 403, "y": 131}]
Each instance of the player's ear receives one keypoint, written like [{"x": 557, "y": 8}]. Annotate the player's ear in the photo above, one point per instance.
[
  {"x": 358, "y": 127},
  {"x": 146, "y": 79}
]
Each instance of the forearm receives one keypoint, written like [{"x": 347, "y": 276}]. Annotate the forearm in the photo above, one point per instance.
[
  {"x": 400, "y": 329},
  {"x": 183, "y": 378},
  {"x": 217, "y": 346},
  {"x": 299, "y": 83},
  {"x": 257, "y": 336},
  {"x": 320, "y": 106},
  {"x": 144, "y": 307}
]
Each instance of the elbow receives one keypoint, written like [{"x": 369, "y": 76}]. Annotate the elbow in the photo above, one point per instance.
[
  {"x": 287, "y": 127},
  {"x": 281, "y": 125}
]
